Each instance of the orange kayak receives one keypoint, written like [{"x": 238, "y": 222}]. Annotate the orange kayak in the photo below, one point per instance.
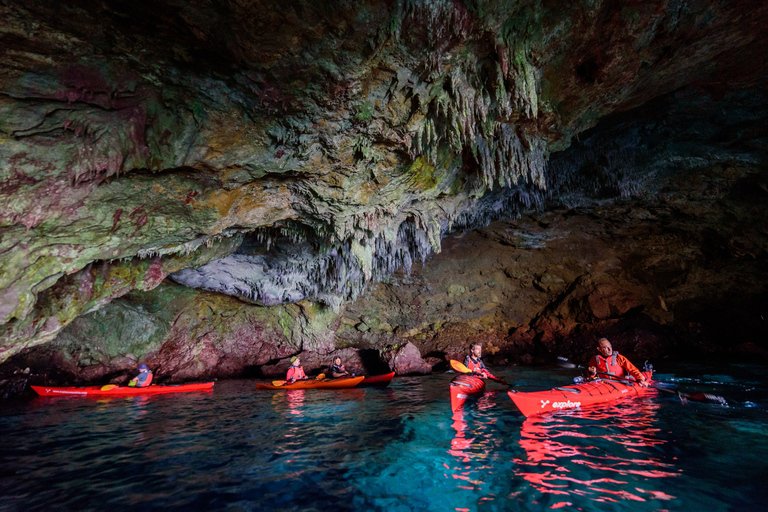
[
  {"x": 577, "y": 395},
  {"x": 316, "y": 384},
  {"x": 120, "y": 390}
]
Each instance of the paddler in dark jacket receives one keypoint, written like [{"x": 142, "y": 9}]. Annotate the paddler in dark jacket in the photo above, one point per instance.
[
  {"x": 337, "y": 369},
  {"x": 143, "y": 379},
  {"x": 609, "y": 363},
  {"x": 475, "y": 363},
  {"x": 296, "y": 371}
]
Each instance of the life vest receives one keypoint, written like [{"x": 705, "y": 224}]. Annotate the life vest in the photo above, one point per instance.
[
  {"x": 144, "y": 379},
  {"x": 475, "y": 366},
  {"x": 609, "y": 365},
  {"x": 295, "y": 373},
  {"x": 338, "y": 369}
]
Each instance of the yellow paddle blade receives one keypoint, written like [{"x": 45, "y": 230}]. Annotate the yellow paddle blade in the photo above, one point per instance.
[
  {"x": 108, "y": 387},
  {"x": 459, "y": 367},
  {"x": 320, "y": 377},
  {"x": 278, "y": 382}
]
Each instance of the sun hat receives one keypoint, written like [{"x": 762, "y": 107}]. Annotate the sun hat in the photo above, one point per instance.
[
  {"x": 143, "y": 367},
  {"x": 294, "y": 358}
]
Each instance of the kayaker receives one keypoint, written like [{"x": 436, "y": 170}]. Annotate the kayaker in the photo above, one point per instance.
[
  {"x": 296, "y": 371},
  {"x": 143, "y": 379},
  {"x": 612, "y": 363},
  {"x": 338, "y": 370},
  {"x": 475, "y": 363}
]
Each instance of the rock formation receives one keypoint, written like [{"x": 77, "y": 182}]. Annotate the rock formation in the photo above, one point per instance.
[{"x": 310, "y": 175}]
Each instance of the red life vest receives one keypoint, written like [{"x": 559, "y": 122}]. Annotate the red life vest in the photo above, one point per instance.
[
  {"x": 609, "y": 365},
  {"x": 475, "y": 366},
  {"x": 147, "y": 380},
  {"x": 295, "y": 373}
]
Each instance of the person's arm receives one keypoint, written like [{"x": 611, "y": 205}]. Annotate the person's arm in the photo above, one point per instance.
[
  {"x": 485, "y": 370},
  {"x": 632, "y": 370},
  {"x": 593, "y": 366},
  {"x": 290, "y": 374}
]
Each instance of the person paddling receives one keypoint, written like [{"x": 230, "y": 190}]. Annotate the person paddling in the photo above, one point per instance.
[
  {"x": 296, "y": 371},
  {"x": 611, "y": 363},
  {"x": 474, "y": 362},
  {"x": 338, "y": 370},
  {"x": 143, "y": 379}
]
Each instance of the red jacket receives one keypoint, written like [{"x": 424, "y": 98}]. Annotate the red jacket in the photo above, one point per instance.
[
  {"x": 295, "y": 373},
  {"x": 617, "y": 365}
]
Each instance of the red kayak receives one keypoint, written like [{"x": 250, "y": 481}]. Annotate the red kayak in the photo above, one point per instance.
[
  {"x": 577, "y": 395},
  {"x": 464, "y": 387},
  {"x": 343, "y": 383},
  {"x": 378, "y": 381},
  {"x": 120, "y": 390}
]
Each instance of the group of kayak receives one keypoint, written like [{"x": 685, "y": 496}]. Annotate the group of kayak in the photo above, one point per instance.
[
  {"x": 611, "y": 376},
  {"x": 295, "y": 379}
]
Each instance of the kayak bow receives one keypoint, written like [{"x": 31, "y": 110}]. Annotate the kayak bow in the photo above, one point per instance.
[
  {"x": 464, "y": 387},
  {"x": 378, "y": 381}
]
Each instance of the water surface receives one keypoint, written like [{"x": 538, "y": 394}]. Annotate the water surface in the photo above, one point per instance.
[{"x": 396, "y": 449}]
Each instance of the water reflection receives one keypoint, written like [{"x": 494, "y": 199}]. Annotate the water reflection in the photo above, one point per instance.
[
  {"x": 473, "y": 445},
  {"x": 606, "y": 453}
]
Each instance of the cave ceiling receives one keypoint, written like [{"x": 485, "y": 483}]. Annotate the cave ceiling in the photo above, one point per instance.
[{"x": 281, "y": 151}]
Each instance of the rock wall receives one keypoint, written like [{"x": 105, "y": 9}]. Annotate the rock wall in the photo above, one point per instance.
[{"x": 292, "y": 155}]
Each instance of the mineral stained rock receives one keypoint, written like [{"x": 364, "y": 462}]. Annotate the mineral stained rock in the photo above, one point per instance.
[{"x": 292, "y": 154}]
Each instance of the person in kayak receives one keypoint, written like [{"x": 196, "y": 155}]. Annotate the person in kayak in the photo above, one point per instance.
[
  {"x": 612, "y": 363},
  {"x": 296, "y": 371},
  {"x": 337, "y": 369},
  {"x": 475, "y": 363},
  {"x": 143, "y": 379}
]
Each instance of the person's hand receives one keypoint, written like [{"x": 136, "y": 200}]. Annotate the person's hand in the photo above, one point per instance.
[{"x": 643, "y": 383}]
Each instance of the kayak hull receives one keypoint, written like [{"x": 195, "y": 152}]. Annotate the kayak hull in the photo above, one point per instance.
[
  {"x": 377, "y": 381},
  {"x": 576, "y": 395},
  {"x": 120, "y": 391},
  {"x": 344, "y": 383},
  {"x": 465, "y": 387}
]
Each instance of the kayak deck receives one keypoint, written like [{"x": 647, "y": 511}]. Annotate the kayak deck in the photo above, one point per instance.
[
  {"x": 576, "y": 395},
  {"x": 343, "y": 383},
  {"x": 121, "y": 390}
]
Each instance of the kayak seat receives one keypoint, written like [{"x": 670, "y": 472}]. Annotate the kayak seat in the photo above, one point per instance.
[{"x": 572, "y": 390}]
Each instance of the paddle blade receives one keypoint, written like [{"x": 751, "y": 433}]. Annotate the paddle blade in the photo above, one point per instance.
[
  {"x": 563, "y": 362},
  {"x": 278, "y": 382},
  {"x": 459, "y": 367},
  {"x": 320, "y": 377},
  {"x": 108, "y": 387}
]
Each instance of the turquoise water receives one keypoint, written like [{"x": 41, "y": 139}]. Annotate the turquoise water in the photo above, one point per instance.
[{"x": 396, "y": 449}]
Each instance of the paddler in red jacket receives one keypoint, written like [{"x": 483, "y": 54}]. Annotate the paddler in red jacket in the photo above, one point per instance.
[
  {"x": 296, "y": 371},
  {"x": 610, "y": 363},
  {"x": 474, "y": 363}
]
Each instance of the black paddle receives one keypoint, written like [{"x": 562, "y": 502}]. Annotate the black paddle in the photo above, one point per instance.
[{"x": 684, "y": 397}]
